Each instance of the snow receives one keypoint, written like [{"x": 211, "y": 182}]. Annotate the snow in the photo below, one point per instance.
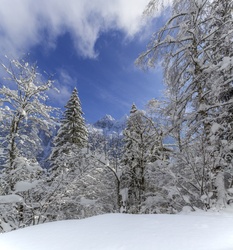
[
  {"x": 84, "y": 201},
  {"x": 11, "y": 198},
  {"x": 124, "y": 197},
  {"x": 22, "y": 186},
  {"x": 226, "y": 62},
  {"x": 215, "y": 127},
  {"x": 127, "y": 232}
]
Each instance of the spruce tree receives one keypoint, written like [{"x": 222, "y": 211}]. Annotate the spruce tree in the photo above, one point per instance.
[
  {"x": 140, "y": 148},
  {"x": 68, "y": 159},
  {"x": 72, "y": 133}
]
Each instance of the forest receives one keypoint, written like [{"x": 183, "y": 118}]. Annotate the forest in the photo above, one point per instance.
[{"x": 175, "y": 154}]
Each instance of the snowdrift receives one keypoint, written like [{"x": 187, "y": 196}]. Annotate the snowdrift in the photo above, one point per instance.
[{"x": 126, "y": 232}]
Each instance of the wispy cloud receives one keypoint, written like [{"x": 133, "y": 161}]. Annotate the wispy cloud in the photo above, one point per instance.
[
  {"x": 25, "y": 23},
  {"x": 112, "y": 97},
  {"x": 65, "y": 83},
  {"x": 66, "y": 79}
]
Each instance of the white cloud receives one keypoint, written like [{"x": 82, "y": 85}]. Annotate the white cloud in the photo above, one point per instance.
[
  {"x": 24, "y": 23},
  {"x": 65, "y": 85},
  {"x": 66, "y": 78},
  {"x": 60, "y": 98}
]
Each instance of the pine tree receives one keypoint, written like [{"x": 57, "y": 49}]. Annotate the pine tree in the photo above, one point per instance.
[
  {"x": 141, "y": 146},
  {"x": 72, "y": 134},
  {"x": 69, "y": 159}
]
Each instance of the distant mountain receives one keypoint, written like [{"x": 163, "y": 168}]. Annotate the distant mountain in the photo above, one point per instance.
[
  {"x": 109, "y": 125},
  {"x": 107, "y": 122},
  {"x": 106, "y": 126}
]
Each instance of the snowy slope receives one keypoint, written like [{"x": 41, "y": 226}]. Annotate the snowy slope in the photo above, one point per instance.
[{"x": 127, "y": 232}]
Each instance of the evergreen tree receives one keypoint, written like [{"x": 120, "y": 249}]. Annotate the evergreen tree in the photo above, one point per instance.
[
  {"x": 72, "y": 134},
  {"x": 141, "y": 147},
  {"x": 69, "y": 160}
]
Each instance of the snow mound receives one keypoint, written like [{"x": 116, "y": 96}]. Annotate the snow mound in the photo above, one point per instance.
[{"x": 126, "y": 232}]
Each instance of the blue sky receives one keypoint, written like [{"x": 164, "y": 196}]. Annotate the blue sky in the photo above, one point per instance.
[{"x": 92, "y": 47}]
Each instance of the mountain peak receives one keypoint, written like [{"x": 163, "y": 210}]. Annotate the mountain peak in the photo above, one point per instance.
[
  {"x": 108, "y": 117},
  {"x": 105, "y": 123}
]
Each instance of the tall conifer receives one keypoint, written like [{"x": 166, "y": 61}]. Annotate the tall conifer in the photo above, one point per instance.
[
  {"x": 140, "y": 148},
  {"x": 72, "y": 134}
]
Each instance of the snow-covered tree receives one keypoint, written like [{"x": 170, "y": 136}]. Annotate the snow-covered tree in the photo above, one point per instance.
[
  {"x": 71, "y": 136},
  {"x": 18, "y": 205},
  {"x": 195, "y": 46},
  {"x": 221, "y": 80},
  {"x": 141, "y": 147},
  {"x": 25, "y": 113},
  {"x": 109, "y": 147},
  {"x": 73, "y": 129},
  {"x": 97, "y": 141},
  {"x": 70, "y": 161}
]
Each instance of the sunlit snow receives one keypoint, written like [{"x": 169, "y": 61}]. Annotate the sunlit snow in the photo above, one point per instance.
[
  {"x": 10, "y": 198},
  {"x": 22, "y": 186},
  {"x": 198, "y": 231}
]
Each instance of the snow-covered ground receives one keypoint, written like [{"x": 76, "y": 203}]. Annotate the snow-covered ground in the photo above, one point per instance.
[{"x": 197, "y": 231}]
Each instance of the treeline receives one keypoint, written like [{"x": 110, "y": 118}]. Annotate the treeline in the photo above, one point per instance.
[{"x": 175, "y": 155}]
